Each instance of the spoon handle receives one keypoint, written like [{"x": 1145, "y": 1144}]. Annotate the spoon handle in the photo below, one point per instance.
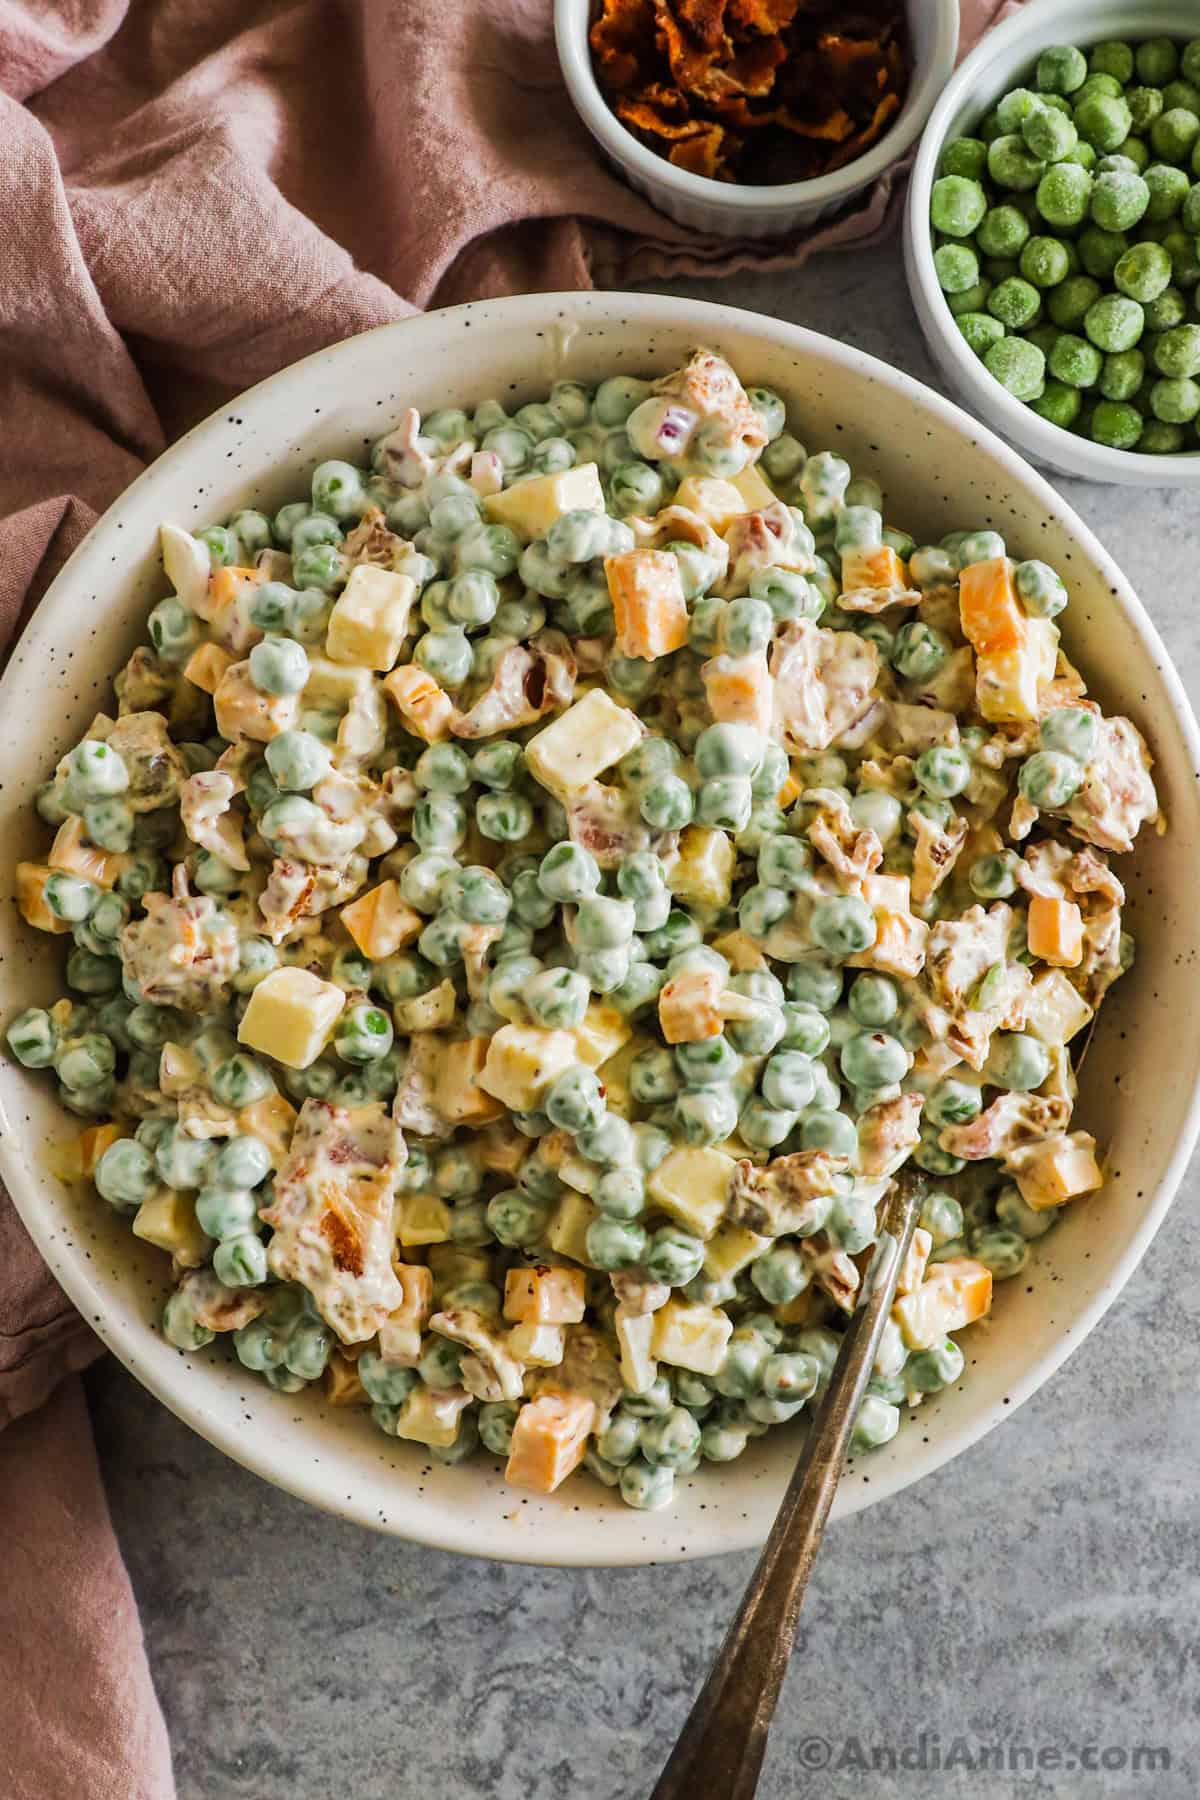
[{"x": 720, "y": 1750}]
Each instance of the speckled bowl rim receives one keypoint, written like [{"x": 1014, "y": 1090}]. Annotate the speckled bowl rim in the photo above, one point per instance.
[{"x": 128, "y": 1335}]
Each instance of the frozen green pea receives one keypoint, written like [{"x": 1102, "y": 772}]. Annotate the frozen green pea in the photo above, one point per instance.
[
  {"x": 873, "y": 1059},
  {"x": 1011, "y": 165},
  {"x": 1017, "y": 365},
  {"x": 1075, "y": 362},
  {"x": 1176, "y": 401},
  {"x": 1122, "y": 375},
  {"x": 1176, "y": 352},
  {"x": 1160, "y": 439},
  {"x": 980, "y": 330},
  {"x": 1103, "y": 119},
  {"x": 1048, "y": 134},
  {"x": 1119, "y": 199},
  {"x": 1063, "y": 194},
  {"x": 1114, "y": 322},
  {"x": 1059, "y": 404},
  {"x": 993, "y": 877},
  {"x": 964, "y": 156},
  {"x": 971, "y": 300},
  {"x": 1189, "y": 62},
  {"x": 1173, "y": 134},
  {"x": 1113, "y": 58},
  {"x": 957, "y": 204},
  {"x": 1184, "y": 251},
  {"x": 1100, "y": 251},
  {"x": 956, "y": 267},
  {"x": 1044, "y": 262},
  {"x": 942, "y": 771},
  {"x": 1116, "y": 424},
  {"x": 1061, "y": 68},
  {"x": 1168, "y": 189},
  {"x": 1068, "y": 303}
]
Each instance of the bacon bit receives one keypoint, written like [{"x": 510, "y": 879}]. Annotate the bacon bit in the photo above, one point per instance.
[
  {"x": 622, "y": 41},
  {"x": 341, "y": 1237}
]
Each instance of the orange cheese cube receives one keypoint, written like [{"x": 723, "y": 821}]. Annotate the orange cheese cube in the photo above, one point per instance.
[
  {"x": 788, "y": 794},
  {"x": 1058, "y": 1170},
  {"x": 243, "y": 710},
  {"x": 548, "y": 1440},
  {"x": 993, "y": 618},
  {"x": 270, "y": 1119},
  {"x": 648, "y": 604},
  {"x": 912, "y": 1269},
  {"x": 460, "y": 1099},
  {"x": 93, "y": 1142},
  {"x": 207, "y": 664},
  {"x": 342, "y": 1384},
  {"x": 739, "y": 690},
  {"x": 425, "y": 708},
  {"x": 31, "y": 898},
  {"x": 70, "y": 852},
  {"x": 868, "y": 567},
  {"x": 1055, "y": 930},
  {"x": 544, "y": 1295},
  {"x": 226, "y": 583},
  {"x": 953, "y": 1294},
  {"x": 689, "y": 1006},
  {"x": 380, "y": 922}
]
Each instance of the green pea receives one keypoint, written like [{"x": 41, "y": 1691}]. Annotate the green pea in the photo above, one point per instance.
[
  {"x": 1102, "y": 118},
  {"x": 1075, "y": 362},
  {"x": 1177, "y": 352},
  {"x": 1048, "y": 134},
  {"x": 1059, "y": 404},
  {"x": 1010, "y": 165},
  {"x": 942, "y": 771},
  {"x": 1122, "y": 375},
  {"x": 1114, "y": 322},
  {"x": 1044, "y": 262},
  {"x": 1159, "y": 439},
  {"x": 874, "y": 1059},
  {"x": 1119, "y": 199},
  {"x": 1116, "y": 424},
  {"x": 1018, "y": 366},
  {"x": 567, "y": 873},
  {"x": 1063, "y": 195},
  {"x": 1175, "y": 402},
  {"x": 1174, "y": 132},
  {"x": 980, "y": 330},
  {"x": 1061, "y": 69},
  {"x": 1014, "y": 302}
]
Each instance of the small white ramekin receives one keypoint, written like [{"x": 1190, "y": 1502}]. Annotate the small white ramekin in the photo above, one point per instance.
[
  {"x": 727, "y": 209},
  {"x": 1000, "y": 62}
]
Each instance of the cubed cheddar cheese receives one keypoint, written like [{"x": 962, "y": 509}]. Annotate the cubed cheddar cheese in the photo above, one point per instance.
[
  {"x": 993, "y": 619},
  {"x": 809, "y": 1308},
  {"x": 649, "y": 609},
  {"x": 891, "y": 892},
  {"x": 522, "y": 1061},
  {"x": 460, "y": 1099},
  {"x": 731, "y": 1249},
  {"x": 691, "y": 1337},
  {"x": 206, "y": 666},
  {"x": 740, "y": 951},
  {"x": 501, "y": 1148},
  {"x": 341, "y": 1382},
  {"x": 530, "y": 507},
  {"x": 953, "y": 1294},
  {"x": 400, "y": 1333},
  {"x": 1055, "y": 931},
  {"x": 380, "y": 922},
  {"x": 544, "y": 1295},
  {"x": 692, "y": 1184},
  {"x": 243, "y": 710},
  {"x": 579, "y": 1173},
  {"x": 71, "y": 853},
  {"x": 702, "y": 872},
  {"x": 754, "y": 489},
  {"x": 422, "y": 1219},
  {"x": 1055, "y": 1010},
  {"x": 537, "y": 1346},
  {"x": 739, "y": 690},
  {"x": 715, "y": 501},
  {"x": 271, "y": 1120},
  {"x": 426, "y": 708},
  {"x": 689, "y": 1006},
  {"x": 873, "y": 569},
  {"x": 1008, "y": 683},
  {"x": 635, "y": 1338},
  {"x": 602, "y": 1034},
  {"x": 31, "y": 898},
  {"x": 168, "y": 1220},
  {"x": 615, "y": 1075},
  {"x": 912, "y": 1269},
  {"x": 548, "y": 1440},
  {"x": 370, "y": 617},
  {"x": 335, "y": 686},
  {"x": 1058, "y": 1170},
  {"x": 92, "y": 1143},
  {"x": 567, "y": 1231},
  {"x": 432, "y": 1415},
  {"x": 428, "y": 1011},
  {"x": 290, "y": 1016},
  {"x": 581, "y": 743}
]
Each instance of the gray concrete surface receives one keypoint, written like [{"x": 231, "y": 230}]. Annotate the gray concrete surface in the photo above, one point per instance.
[{"x": 1041, "y": 1594}]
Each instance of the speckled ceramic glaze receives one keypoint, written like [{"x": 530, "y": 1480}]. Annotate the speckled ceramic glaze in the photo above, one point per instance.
[{"x": 940, "y": 471}]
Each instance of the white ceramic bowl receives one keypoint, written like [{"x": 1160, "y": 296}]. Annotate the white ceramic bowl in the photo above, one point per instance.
[
  {"x": 733, "y": 210},
  {"x": 940, "y": 471},
  {"x": 1003, "y": 59}
]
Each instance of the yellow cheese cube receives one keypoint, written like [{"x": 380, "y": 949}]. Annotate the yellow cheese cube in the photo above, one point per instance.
[
  {"x": 334, "y": 686},
  {"x": 891, "y": 893},
  {"x": 70, "y": 852},
  {"x": 544, "y": 1295},
  {"x": 702, "y": 873},
  {"x": 1056, "y": 1010},
  {"x": 522, "y": 1061},
  {"x": 740, "y": 951},
  {"x": 460, "y": 1099},
  {"x": 449, "y": 1267},
  {"x": 912, "y": 1269},
  {"x": 691, "y": 1337},
  {"x": 427, "y": 709},
  {"x": 92, "y": 1143},
  {"x": 270, "y": 1119},
  {"x": 400, "y": 1333},
  {"x": 954, "y": 1294},
  {"x": 501, "y": 1148},
  {"x": 370, "y": 617},
  {"x": 342, "y": 1384},
  {"x": 567, "y": 1231},
  {"x": 731, "y": 1249},
  {"x": 692, "y": 1185},
  {"x": 422, "y": 1219},
  {"x": 31, "y": 898},
  {"x": 581, "y": 743},
  {"x": 168, "y": 1220},
  {"x": 431, "y": 1416},
  {"x": 601, "y": 1035},
  {"x": 206, "y": 665},
  {"x": 290, "y": 1016},
  {"x": 1053, "y": 1172},
  {"x": 717, "y": 502},
  {"x": 754, "y": 490},
  {"x": 1007, "y": 681},
  {"x": 530, "y": 507},
  {"x": 380, "y": 922},
  {"x": 635, "y": 1336},
  {"x": 426, "y": 1012},
  {"x": 615, "y": 1075},
  {"x": 579, "y": 1173},
  {"x": 538, "y": 1346}
]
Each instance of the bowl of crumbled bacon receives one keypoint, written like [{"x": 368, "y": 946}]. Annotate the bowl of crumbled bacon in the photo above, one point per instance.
[{"x": 749, "y": 118}]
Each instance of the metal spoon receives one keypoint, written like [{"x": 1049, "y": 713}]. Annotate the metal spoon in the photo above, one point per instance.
[{"x": 719, "y": 1753}]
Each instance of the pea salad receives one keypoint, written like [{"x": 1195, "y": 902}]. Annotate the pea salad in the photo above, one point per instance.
[
  {"x": 534, "y": 894},
  {"x": 1067, "y": 240}
]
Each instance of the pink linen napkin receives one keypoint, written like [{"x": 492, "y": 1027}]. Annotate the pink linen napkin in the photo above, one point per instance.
[{"x": 192, "y": 195}]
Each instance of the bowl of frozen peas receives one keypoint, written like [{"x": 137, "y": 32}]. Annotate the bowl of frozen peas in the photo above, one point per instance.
[
  {"x": 534, "y": 881},
  {"x": 1052, "y": 238}
]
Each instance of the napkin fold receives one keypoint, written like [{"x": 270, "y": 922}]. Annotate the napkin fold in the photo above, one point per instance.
[{"x": 193, "y": 195}]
